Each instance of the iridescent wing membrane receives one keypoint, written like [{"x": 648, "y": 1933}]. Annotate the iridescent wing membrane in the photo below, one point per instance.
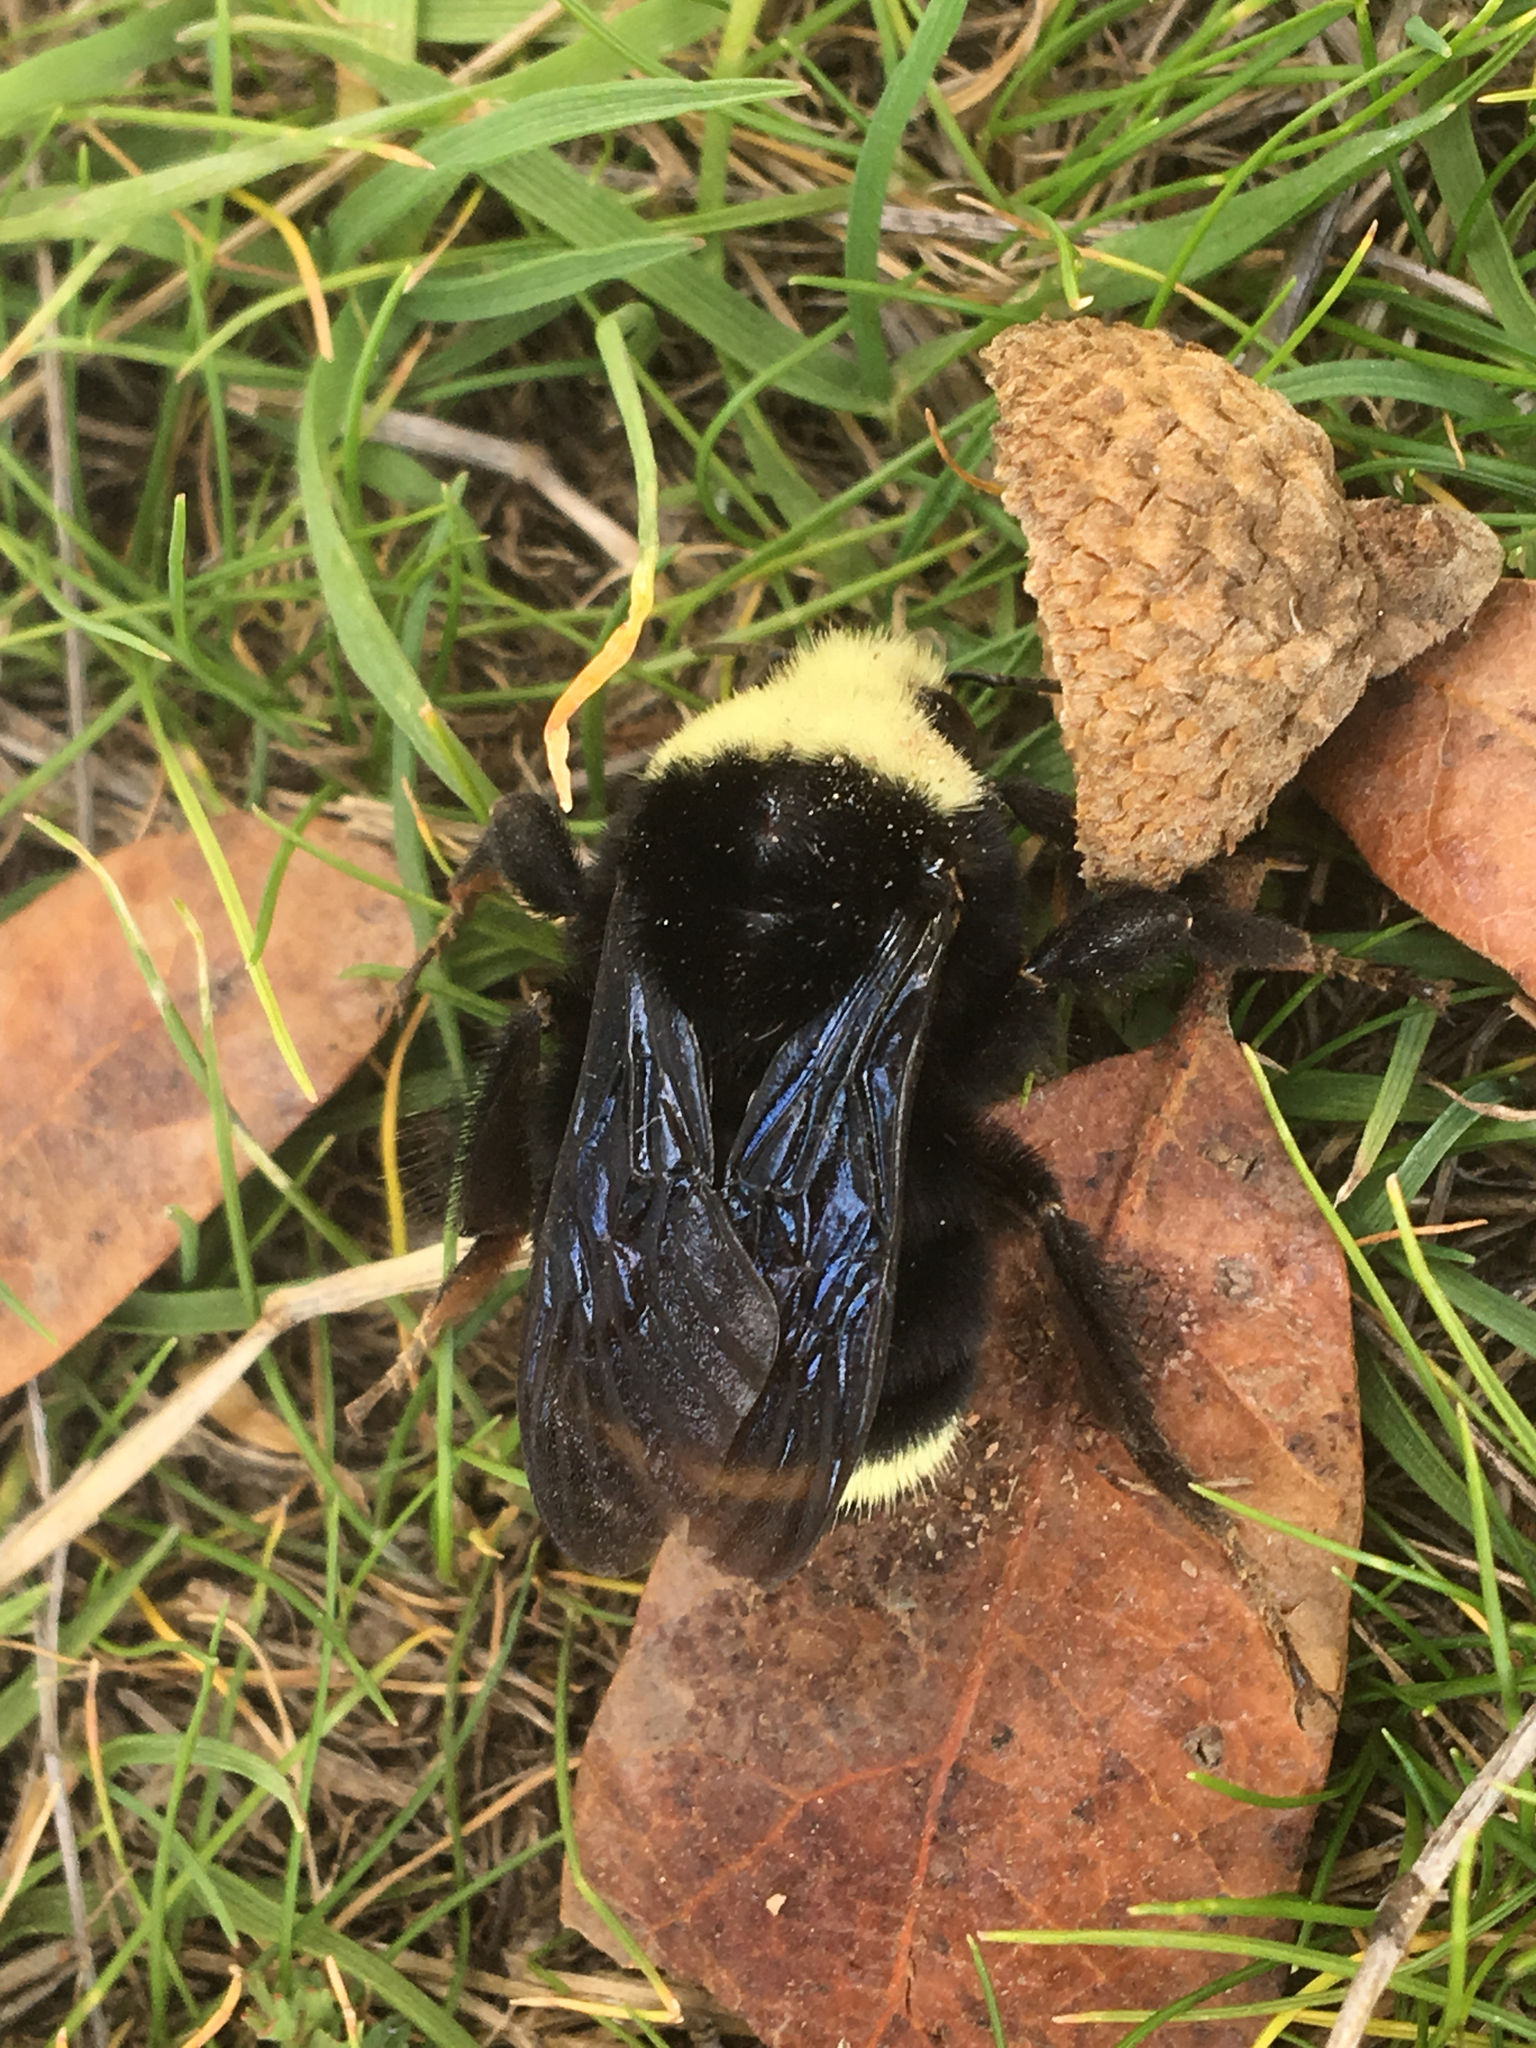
[{"x": 716, "y": 1352}]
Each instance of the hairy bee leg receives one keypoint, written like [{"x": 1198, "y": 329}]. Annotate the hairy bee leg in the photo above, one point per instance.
[
  {"x": 495, "y": 1200},
  {"x": 1130, "y": 931},
  {"x": 495, "y": 1195},
  {"x": 469, "y": 1284},
  {"x": 524, "y": 847},
  {"x": 1112, "y": 1367},
  {"x": 495, "y": 1178},
  {"x": 1224, "y": 937},
  {"x": 1108, "y": 939},
  {"x": 1045, "y": 812},
  {"x": 1111, "y": 938},
  {"x": 436, "y": 946},
  {"x": 1115, "y": 1375},
  {"x": 1113, "y": 1372}
]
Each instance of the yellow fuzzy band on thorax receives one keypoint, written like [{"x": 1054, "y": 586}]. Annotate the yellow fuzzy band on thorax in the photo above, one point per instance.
[{"x": 848, "y": 696}]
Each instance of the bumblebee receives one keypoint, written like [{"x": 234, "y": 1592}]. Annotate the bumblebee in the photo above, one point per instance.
[{"x": 760, "y": 1170}]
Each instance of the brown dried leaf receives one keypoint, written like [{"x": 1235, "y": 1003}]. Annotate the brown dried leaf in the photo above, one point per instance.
[
  {"x": 982, "y": 1711},
  {"x": 1210, "y": 603},
  {"x": 101, "y": 1126},
  {"x": 1434, "y": 778}
]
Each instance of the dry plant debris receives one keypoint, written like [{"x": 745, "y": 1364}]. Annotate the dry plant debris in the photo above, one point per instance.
[
  {"x": 102, "y": 1127},
  {"x": 1410, "y": 1898},
  {"x": 1210, "y": 602},
  {"x": 982, "y": 1710},
  {"x": 1434, "y": 778}
]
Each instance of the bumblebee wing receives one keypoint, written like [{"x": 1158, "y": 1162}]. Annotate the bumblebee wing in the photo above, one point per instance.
[
  {"x": 648, "y": 1335},
  {"x": 814, "y": 1187}
]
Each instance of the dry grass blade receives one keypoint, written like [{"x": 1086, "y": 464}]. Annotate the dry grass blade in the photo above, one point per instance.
[
  {"x": 88, "y": 1492},
  {"x": 1403, "y": 1911}
]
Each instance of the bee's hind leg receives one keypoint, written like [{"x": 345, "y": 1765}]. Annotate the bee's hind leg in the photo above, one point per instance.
[
  {"x": 1114, "y": 1375},
  {"x": 1114, "y": 1371}
]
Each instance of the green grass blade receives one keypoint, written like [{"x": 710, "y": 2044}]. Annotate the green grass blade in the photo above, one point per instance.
[
  {"x": 86, "y": 67},
  {"x": 122, "y": 205},
  {"x": 1386, "y": 1111},
  {"x": 519, "y": 283},
  {"x": 229, "y": 894},
  {"x": 906, "y": 86},
  {"x": 206, "y": 1753},
  {"x": 562, "y": 114},
  {"x": 360, "y": 626},
  {"x": 584, "y": 214},
  {"x": 1252, "y": 217},
  {"x": 1458, "y": 170}
]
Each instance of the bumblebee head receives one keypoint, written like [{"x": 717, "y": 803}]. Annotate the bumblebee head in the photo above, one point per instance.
[{"x": 871, "y": 697}]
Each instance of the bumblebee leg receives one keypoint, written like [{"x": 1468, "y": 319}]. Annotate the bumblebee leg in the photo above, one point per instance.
[
  {"x": 524, "y": 847},
  {"x": 1112, "y": 938},
  {"x": 470, "y": 1283},
  {"x": 958, "y": 1195},
  {"x": 1115, "y": 1375},
  {"x": 1223, "y": 937},
  {"x": 1045, "y": 812},
  {"x": 495, "y": 1200},
  {"x": 1109, "y": 938},
  {"x": 1112, "y": 1368},
  {"x": 495, "y": 1180}
]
